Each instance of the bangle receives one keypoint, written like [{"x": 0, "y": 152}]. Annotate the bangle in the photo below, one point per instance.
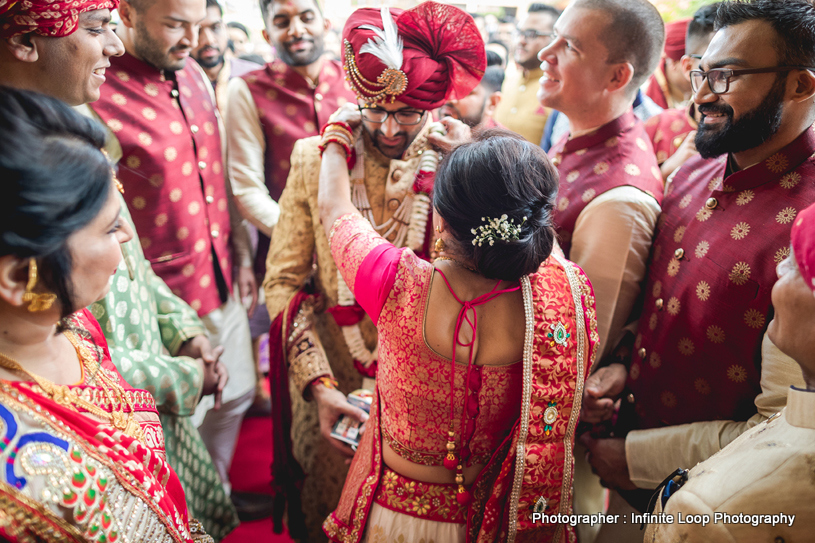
[
  {"x": 350, "y": 153},
  {"x": 340, "y": 124},
  {"x": 327, "y": 382}
]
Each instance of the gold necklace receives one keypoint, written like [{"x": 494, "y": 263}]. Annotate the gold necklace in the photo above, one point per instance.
[
  {"x": 65, "y": 396},
  {"x": 459, "y": 262}
]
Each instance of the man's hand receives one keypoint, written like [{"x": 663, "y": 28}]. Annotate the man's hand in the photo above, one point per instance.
[
  {"x": 607, "y": 460},
  {"x": 331, "y": 404},
  {"x": 601, "y": 392},
  {"x": 682, "y": 154},
  {"x": 214, "y": 372},
  {"x": 248, "y": 287},
  {"x": 457, "y": 133},
  {"x": 348, "y": 113}
]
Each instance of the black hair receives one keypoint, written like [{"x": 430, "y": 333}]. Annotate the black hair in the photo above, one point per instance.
[
  {"x": 55, "y": 182},
  {"x": 239, "y": 26},
  {"x": 635, "y": 33},
  {"x": 499, "y": 173},
  {"x": 701, "y": 26},
  {"x": 264, "y": 8},
  {"x": 793, "y": 21},
  {"x": 493, "y": 59},
  {"x": 493, "y": 77},
  {"x": 539, "y": 7},
  {"x": 215, "y": 4}
]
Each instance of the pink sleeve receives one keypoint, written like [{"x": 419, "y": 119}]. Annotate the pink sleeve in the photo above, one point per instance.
[{"x": 366, "y": 261}]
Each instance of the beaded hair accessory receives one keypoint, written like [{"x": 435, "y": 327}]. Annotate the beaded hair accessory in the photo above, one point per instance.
[{"x": 502, "y": 228}]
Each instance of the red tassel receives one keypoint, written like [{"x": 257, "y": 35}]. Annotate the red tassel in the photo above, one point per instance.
[
  {"x": 450, "y": 461},
  {"x": 463, "y": 496}
]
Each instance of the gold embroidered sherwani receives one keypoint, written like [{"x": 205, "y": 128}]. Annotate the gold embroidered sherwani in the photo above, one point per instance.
[{"x": 300, "y": 251}]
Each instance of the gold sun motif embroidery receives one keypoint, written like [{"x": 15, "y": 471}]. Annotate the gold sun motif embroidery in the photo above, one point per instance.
[
  {"x": 600, "y": 168},
  {"x": 786, "y": 215},
  {"x": 740, "y": 231},
  {"x": 754, "y": 318},
  {"x": 679, "y": 233},
  {"x": 740, "y": 273},
  {"x": 612, "y": 141},
  {"x": 668, "y": 399},
  {"x": 781, "y": 254},
  {"x": 673, "y": 306},
  {"x": 632, "y": 169},
  {"x": 572, "y": 176},
  {"x": 703, "y": 291},
  {"x": 715, "y": 183},
  {"x": 562, "y": 204},
  {"x": 736, "y": 373},
  {"x": 790, "y": 180},
  {"x": 701, "y": 386},
  {"x": 686, "y": 346},
  {"x": 704, "y": 214},
  {"x": 702, "y": 249},
  {"x": 673, "y": 267},
  {"x": 685, "y": 201},
  {"x": 652, "y": 321},
  {"x": 656, "y": 290},
  {"x": 745, "y": 197},
  {"x": 777, "y": 163},
  {"x": 715, "y": 334},
  {"x": 655, "y": 360},
  {"x": 588, "y": 195}
]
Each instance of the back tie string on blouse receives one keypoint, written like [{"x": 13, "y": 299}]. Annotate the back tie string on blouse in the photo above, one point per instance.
[{"x": 467, "y": 314}]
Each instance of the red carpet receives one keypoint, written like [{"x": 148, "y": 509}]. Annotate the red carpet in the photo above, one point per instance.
[{"x": 250, "y": 473}]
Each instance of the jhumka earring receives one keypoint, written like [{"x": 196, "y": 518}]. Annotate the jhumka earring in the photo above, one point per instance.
[
  {"x": 37, "y": 302},
  {"x": 439, "y": 246}
]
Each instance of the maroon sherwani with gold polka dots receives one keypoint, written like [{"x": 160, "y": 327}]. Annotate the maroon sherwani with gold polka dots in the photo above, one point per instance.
[
  {"x": 698, "y": 352},
  {"x": 173, "y": 174},
  {"x": 667, "y": 131}
]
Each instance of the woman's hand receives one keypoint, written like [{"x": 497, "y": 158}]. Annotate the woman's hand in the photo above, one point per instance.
[{"x": 349, "y": 114}]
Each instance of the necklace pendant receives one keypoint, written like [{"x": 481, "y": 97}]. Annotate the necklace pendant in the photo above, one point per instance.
[
  {"x": 133, "y": 429},
  {"x": 120, "y": 421}
]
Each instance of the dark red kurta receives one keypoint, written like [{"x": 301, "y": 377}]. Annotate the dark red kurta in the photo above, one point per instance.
[
  {"x": 707, "y": 299},
  {"x": 291, "y": 108},
  {"x": 667, "y": 131},
  {"x": 614, "y": 155},
  {"x": 173, "y": 173}
]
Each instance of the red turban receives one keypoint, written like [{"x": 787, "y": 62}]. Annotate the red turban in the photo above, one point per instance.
[
  {"x": 675, "y": 39},
  {"x": 803, "y": 244},
  {"x": 51, "y": 18},
  {"x": 423, "y": 56}
]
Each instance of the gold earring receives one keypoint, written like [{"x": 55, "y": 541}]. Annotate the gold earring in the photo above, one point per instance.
[
  {"x": 37, "y": 302},
  {"x": 438, "y": 228},
  {"x": 439, "y": 245}
]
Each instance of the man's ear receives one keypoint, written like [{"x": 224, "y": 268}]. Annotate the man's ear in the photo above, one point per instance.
[
  {"x": 687, "y": 66},
  {"x": 804, "y": 87},
  {"x": 621, "y": 76},
  {"x": 23, "y": 47},
  {"x": 126, "y": 13},
  {"x": 13, "y": 279},
  {"x": 492, "y": 103}
]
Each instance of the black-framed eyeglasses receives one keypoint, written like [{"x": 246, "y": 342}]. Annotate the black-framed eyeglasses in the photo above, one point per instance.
[
  {"x": 530, "y": 34},
  {"x": 406, "y": 117},
  {"x": 718, "y": 79}
]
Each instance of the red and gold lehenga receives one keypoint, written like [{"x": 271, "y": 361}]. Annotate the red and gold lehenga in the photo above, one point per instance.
[
  {"x": 526, "y": 414},
  {"x": 68, "y": 475}
]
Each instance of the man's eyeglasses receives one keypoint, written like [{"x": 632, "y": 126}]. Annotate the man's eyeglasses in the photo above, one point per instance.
[
  {"x": 405, "y": 117},
  {"x": 530, "y": 34},
  {"x": 718, "y": 79}
]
